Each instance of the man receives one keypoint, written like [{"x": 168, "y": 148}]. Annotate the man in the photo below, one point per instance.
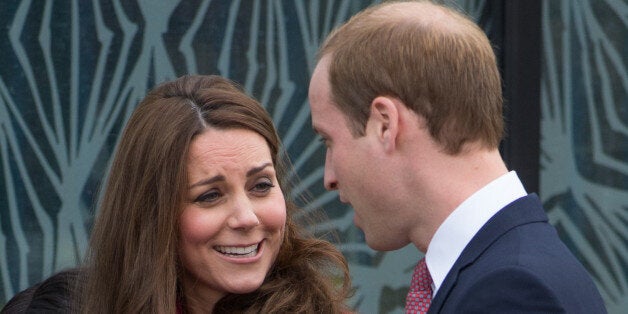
[{"x": 407, "y": 98}]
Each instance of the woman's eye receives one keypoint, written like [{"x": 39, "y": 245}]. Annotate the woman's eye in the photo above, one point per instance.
[
  {"x": 263, "y": 186},
  {"x": 208, "y": 197}
]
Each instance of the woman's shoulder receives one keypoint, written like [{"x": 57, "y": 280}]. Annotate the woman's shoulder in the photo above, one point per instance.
[{"x": 52, "y": 294}]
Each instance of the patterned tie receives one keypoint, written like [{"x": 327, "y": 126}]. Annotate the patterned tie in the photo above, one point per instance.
[{"x": 420, "y": 294}]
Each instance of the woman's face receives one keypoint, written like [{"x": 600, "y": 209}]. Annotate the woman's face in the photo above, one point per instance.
[{"x": 233, "y": 220}]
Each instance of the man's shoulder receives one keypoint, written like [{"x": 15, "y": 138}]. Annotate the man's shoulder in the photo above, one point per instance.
[
  {"x": 520, "y": 288},
  {"x": 516, "y": 256}
]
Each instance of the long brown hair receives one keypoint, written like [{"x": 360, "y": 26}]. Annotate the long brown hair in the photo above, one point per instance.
[
  {"x": 132, "y": 264},
  {"x": 443, "y": 68}
]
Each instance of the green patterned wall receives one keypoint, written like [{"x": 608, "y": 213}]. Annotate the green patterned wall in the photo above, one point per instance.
[
  {"x": 584, "y": 136},
  {"x": 71, "y": 72}
]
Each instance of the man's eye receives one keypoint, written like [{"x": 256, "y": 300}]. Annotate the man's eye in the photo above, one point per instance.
[{"x": 208, "y": 197}]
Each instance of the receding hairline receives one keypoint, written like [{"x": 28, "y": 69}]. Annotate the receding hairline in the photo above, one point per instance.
[{"x": 436, "y": 17}]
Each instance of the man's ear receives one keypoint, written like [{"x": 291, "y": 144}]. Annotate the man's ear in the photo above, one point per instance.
[{"x": 384, "y": 121}]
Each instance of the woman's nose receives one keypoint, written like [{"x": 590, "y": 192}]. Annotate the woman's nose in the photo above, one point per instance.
[{"x": 243, "y": 216}]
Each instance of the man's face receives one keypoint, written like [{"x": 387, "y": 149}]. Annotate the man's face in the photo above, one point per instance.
[{"x": 351, "y": 164}]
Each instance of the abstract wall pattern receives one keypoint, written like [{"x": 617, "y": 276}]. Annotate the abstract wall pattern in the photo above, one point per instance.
[
  {"x": 71, "y": 72},
  {"x": 584, "y": 136}
]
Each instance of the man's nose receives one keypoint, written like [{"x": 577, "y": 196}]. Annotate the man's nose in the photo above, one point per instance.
[{"x": 329, "y": 177}]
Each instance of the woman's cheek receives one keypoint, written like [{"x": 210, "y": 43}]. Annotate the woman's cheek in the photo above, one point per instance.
[
  {"x": 275, "y": 214},
  {"x": 198, "y": 225}
]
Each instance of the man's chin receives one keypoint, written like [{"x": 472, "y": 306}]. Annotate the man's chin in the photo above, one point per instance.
[{"x": 376, "y": 244}]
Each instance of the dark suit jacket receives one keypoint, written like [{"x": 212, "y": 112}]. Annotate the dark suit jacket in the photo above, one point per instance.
[{"x": 517, "y": 264}]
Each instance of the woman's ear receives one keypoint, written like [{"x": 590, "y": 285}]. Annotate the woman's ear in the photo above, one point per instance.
[{"x": 384, "y": 121}]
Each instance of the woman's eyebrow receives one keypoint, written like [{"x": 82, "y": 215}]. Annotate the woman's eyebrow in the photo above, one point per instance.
[
  {"x": 258, "y": 169},
  {"x": 222, "y": 178},
  {"x": 208, "y": 181}
]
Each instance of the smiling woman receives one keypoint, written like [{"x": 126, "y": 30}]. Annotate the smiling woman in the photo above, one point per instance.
[
  {"x": 233, "y": 223},
  {"x": 194, "y": 217}
]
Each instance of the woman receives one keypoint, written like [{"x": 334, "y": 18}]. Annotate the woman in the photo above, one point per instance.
[{"x": 195, "y": 216}]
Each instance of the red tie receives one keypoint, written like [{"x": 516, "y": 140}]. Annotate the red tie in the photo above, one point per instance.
[{"x": 420, "y": 294}]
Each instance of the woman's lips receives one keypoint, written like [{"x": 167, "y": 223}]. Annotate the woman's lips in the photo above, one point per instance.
[{"x": 238, "y": 251}]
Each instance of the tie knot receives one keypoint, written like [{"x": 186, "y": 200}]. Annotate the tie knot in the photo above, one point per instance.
[
  {"x": 420, "y": 295},
  {"x": 421, "y": 279}
]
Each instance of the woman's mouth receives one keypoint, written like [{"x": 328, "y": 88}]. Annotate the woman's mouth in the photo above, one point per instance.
[{"x": 238, "y": 251}]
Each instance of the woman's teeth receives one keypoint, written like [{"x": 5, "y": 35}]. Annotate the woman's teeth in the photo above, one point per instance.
[{"x": 238, "y": 251}]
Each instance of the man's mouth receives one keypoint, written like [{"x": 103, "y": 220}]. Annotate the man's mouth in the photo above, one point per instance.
[{"x": 238, "y": 251}]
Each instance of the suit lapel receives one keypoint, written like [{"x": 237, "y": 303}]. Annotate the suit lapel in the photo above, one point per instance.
[{"x": 525, "y": 210}]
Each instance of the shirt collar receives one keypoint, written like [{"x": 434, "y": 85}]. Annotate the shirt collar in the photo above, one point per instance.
[{"x": 465, "y": 221}]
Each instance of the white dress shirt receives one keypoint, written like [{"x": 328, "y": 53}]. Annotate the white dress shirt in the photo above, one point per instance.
[{"x": 465, "y": 221}]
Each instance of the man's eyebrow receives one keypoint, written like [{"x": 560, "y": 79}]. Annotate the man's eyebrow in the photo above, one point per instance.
[{"x": 258, "y": 169}]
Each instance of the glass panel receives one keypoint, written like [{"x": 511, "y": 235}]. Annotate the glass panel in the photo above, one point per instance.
[
  {"x": 72, "y": 72},
  {"x": 584, "y": 136}
]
